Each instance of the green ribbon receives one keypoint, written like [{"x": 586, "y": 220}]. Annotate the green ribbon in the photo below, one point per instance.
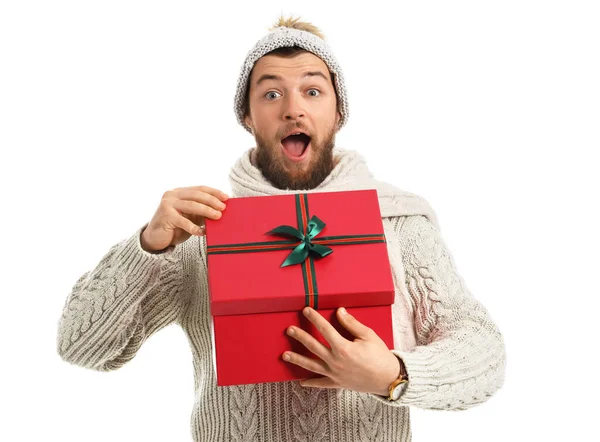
[{"x": 306, "y": 246}]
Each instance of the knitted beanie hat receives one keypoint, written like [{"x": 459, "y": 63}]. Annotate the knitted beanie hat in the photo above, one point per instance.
[{"x": 283, "y": 37}]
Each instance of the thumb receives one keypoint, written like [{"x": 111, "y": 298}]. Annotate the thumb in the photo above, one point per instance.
[{"x": 351, "y": 324}]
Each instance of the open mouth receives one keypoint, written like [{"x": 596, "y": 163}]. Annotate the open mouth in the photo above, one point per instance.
[{"x": 296, "y": 146}]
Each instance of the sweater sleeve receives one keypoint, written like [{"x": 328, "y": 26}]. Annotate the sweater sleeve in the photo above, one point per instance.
[
  {"x": 113, "y": 308},
  {"x": 459, "y": 360}
]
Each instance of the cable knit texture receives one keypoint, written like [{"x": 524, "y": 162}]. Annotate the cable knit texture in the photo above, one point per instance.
[{"x": 453, "y": 352}]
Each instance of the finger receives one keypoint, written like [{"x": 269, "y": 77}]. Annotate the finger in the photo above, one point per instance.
[
  {"x": 185, "y": 224},
  {"x": 192, "y": 207},
  {"x": 351, "y": 324},
  {"x": 314, "y": 365},
  {"x": 324, "y": 382},
  {"x": 328, "y": 331},
  {"x": 200, "y": 197},
  {"x": 310, "y": 342},
  {"x": 215, "y": 192}
]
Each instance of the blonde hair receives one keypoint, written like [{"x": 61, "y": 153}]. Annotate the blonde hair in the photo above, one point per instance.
[{"x": 295, "y": 23}]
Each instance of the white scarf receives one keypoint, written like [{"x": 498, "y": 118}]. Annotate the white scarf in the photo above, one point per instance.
[{"x": 349, "y": 173}]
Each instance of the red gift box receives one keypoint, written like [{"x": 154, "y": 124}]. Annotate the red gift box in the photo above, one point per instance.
[{"x": 270, "y": 256}]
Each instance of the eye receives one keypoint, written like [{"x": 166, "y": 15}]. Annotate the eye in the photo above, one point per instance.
[
  {"x": 316, "y": 90},
  {"x": 270, "y": 93}
]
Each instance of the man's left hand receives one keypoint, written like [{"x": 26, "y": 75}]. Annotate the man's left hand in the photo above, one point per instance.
[{"x": 365, "y": 364}]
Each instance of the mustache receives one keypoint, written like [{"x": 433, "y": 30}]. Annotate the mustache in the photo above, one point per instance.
[{"x": 291, "y": 128}]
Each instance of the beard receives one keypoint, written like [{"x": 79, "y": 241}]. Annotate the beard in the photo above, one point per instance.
[{"x": 277, "y": 170}]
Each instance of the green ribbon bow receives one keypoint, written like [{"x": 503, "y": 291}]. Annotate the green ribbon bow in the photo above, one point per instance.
[{"x": 306, "y": 246}]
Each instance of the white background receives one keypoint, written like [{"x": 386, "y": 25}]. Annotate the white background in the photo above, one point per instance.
[{"x": 489, "y": 110}]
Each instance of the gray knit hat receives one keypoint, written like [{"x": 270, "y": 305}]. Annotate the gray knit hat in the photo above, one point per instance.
[{"x": 283, "y": 37}]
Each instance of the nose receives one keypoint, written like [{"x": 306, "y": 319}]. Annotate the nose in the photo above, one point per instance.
[{"x": 293, "y": 108}]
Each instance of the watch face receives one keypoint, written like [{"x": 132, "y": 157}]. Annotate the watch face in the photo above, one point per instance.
[{"x": 397, "y": 392}]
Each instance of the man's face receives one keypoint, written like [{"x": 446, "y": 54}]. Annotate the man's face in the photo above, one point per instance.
[{"x": 283, "y": 100}]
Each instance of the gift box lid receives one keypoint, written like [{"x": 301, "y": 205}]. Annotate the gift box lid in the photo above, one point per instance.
[{"x": 283, "y": 252}]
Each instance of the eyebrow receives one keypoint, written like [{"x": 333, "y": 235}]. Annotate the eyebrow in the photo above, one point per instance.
[{"x": 265, "y": 77}]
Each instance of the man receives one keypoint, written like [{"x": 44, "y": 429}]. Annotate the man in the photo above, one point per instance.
[{"x": 449, "y": 353}]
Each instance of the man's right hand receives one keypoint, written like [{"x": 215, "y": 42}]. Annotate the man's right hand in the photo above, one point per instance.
[{"x": 180, "y": 214}]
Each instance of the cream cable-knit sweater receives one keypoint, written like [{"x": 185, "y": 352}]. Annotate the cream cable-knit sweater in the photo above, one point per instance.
[{"x": 453, "y": 351}]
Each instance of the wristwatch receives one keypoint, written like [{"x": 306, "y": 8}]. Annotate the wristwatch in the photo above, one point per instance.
[{"x": 397, "y": 387}]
